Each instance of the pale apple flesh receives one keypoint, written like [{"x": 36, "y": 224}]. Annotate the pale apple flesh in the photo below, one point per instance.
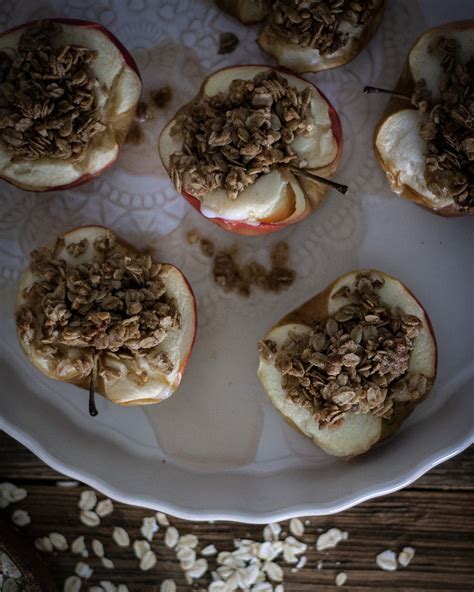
[
  {"x": 118, "y": 92},
  {"x": 360, "y": 431},
  {"x": 398, "y": 145},
  {"x": 278, "y": 198},
  {"x": 246, "y": 11},
  {"x": 305, "y": 59},
  {"x": 177, "y": 344}
]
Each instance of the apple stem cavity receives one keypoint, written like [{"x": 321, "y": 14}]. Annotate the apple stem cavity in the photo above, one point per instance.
[
  {"x": 93, "y": 412},
  {"x": 368, "y": 90},
  {"x": 337, "y": 186}
]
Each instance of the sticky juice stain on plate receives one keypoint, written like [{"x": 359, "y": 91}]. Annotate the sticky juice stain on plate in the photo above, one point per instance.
[
  {"x": 171, "y": 65},
  {"x": 217, "y": 426}
]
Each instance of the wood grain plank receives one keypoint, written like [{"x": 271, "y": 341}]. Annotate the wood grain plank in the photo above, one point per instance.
[{"x": 434, "y": 516}]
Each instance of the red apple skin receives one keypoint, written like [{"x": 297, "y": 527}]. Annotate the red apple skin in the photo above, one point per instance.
[
  {"x": 128, "y": 60},
  {"x": 246, "y": 229},
  {"x": 406, "y": 85}
]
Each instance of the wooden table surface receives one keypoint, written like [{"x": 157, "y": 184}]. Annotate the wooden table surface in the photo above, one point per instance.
[{"x": 435, "y": 516}]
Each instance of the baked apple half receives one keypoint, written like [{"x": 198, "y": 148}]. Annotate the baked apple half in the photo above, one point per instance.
[
  {"x": 425, "y": 140},
  {"x": 310, "y": 35},
  {"x": 246, "y": 11},
  {"x": 254, "y": 150},
  {"x": 93, "y": 311},
  {"x": 68, "y": 92},
  {"x": 349, "y": 365}
]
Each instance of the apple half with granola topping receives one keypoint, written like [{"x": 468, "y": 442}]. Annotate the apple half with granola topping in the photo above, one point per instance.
[
  {"x": 347, "y": 367},
  {"x": 68, "y": 94},
  {"x": 93, "y": 311},
  {"x": 255, "y": 150},
  {"x": 310, "y": 35},
  {"x": 425, "y": 141}
]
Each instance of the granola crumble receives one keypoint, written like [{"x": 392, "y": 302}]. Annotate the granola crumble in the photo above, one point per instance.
[
  {"x": 112, "y": 307},
  {"x": 448, "y": 127},
  {"x": 234, "y": 277},
  {"x": 356, "y": 361},
  {"x": 231, "y": 139},
  {"x": 48, "y": 100},
  {"x": 316, "y": 25}
]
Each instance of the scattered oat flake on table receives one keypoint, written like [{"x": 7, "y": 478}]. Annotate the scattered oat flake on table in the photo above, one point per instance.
[
  {"x": 149, "y": 527},
  {"x": 108, "y": 586},
  {"x": 72, "y": 584},
  {"x": 104, "y": 508},
  {"x": 21, "y": 518},
  {"x": 122, "y": 588},
  {"x": 301, "y": 563},
  {"x": 140, "y": 547},
  {"x": 330, "y": 539},
  {"x": 162, "y": 519},
  {"x": 83, "y": 570},
  {"x": 78, "y": 545},
  {"x": 387, "y": 560},
  {"x": 198, "y": 569},
  {"x": 98, "y": 548},
  {"x": 341, "y": 578},
  {"x": 17, "y": 494},
  {"x": 171, "y": 536},
  {"x": 107, "y": 563},
  {"x": 168, "y": 586},
  {"x": 272, "y": 531},
  {"x": 67, "y": 484},
  {"x": 405, "y": 556},
  {"x": 188, "y": 540},
  {"x": 209, "y": 550},
  {"x": 121, "y": 537},
  {"x": 59, "y": 541},
  {"x": 44, "y": 544},
  {"x": 273, "y": 570},
  {"x": 296, "y": 527},
  {"x": 148, "y": 561},
  {"x": 87, "y": 500},
  {"x": 89, "y": 518}
]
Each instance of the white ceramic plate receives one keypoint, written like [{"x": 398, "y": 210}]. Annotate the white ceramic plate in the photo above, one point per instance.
[{"x": 218, "y": 449}]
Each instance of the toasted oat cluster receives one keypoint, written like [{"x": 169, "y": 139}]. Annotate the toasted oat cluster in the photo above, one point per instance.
[
  {"x": 356, "y": 361},
  {"x": 231, "y": 139},
  {"x": 316, "y": 25},
  {"x": 232, "y": 276},
  {"x": 113, "y": 306},
  {"x": 48, "y": 100},
  {"x": 448, "y": 127}
]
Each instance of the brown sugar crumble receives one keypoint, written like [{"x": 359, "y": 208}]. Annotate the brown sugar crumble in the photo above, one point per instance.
[
  {"x": 316, "y": 25},
  {"x": 48, "y": 99},
  {"x": 354, "y": 362},
  {"x": 447, "y": 126},
  {"x": 231, "y": 276},
  {"x": 112, "y": 306},
  {"x": 227, "y": 43},
  {"x": 230, "y": 139}
]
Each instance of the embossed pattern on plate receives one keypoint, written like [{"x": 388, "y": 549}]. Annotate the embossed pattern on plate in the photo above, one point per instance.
[{"x": 219, "y": 432}]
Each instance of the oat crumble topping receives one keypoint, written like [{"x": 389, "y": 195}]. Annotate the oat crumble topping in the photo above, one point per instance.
[
  {"x": 231, "y": 139},
  {"x": 112, "y": 307},
  {"x": 356, "y": 361},
  {"x": 231, "y": 276},
  {"x": 315, "y": 24},
  {"x": 448, "y": 126},
  {"x": 48, "y": 101}
]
